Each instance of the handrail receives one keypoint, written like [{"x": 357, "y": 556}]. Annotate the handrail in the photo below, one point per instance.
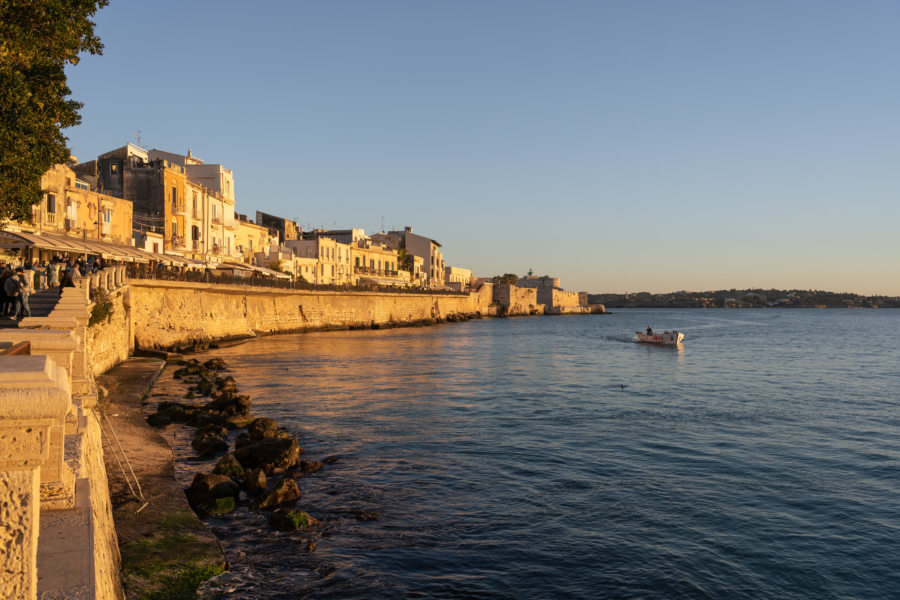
[{"x": 19, "y": 349}]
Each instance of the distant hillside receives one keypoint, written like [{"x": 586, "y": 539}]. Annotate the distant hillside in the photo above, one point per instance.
[{"x": 745, "y": 299}]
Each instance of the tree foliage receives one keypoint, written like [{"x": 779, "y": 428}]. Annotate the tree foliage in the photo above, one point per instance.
[
  {"x": 509, "y": 278},
  {"x": 38, "y": 38}
]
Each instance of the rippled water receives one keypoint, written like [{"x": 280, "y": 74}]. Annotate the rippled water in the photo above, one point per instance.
[{"x": 507, "y": 460}]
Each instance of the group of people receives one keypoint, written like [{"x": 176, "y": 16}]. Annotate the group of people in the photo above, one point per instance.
[
  {"x": 59, "y": 272},
  {"x": 15, "y": 289}
]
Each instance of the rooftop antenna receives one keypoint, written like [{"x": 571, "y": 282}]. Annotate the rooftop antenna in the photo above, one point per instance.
[
  {"x": 138, "y": 137},
  {"x": 382, "y": 223}
]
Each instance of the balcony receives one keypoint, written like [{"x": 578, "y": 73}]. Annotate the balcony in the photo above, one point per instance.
[
  {"x": 50, "y": 218},
  {"x": 197, "y": 214},
  {"x": 196, "y": 245},
  {"x": 178, "y": 241},
  {"x": 217, "y": 221}
]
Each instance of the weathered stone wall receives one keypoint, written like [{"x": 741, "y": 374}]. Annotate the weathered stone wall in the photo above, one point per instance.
[
  {"x": 171, "y": 314},
  {"x": 563, "y": 298},
  {"x": 111, "y": 341},
  {"x": 516, "y": 300}
]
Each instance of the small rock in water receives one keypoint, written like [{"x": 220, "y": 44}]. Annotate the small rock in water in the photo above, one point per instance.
[
  {"x": 284, "y": 492},
  {"x": 288, "y": 519}
]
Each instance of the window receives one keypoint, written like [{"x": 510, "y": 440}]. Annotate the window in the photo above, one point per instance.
[
  {"x": 51, "y": 203},
  {"x": 113, "y": 168},
  {"x": 357, "y": 261},
  {"x": 174, "y": 198},
  {"x": 107, "y": 216}
]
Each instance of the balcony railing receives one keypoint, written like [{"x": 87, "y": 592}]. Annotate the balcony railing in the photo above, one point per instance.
[
  {"x": 196, "y": 245},
  {"x": 179, "y": 209},
  {"x": 217, "y": 220},
  {"x": 50, "y": 218},
  {"x": 178, "y": 241}
]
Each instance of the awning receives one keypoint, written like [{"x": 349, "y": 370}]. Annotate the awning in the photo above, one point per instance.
[
  {"x": 62, "y": 243},
  {"x": 255, "y": 269}
]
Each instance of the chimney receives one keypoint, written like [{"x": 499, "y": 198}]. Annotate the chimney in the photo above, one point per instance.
[{"x": 407, "y": 229}]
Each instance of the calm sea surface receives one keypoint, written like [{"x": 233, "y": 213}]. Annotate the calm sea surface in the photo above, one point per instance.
[{"x": 761, "y": 460}]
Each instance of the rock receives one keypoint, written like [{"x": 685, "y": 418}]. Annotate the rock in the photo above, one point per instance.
[
  {"x": 243, "y": 439},
  {"x": 204, "y": 387},
  {"x": 230, "y": 404},
  {"x": 262, "y": 426},
  {"x": 159, "y": 419},
  {"x": 215, "y": 428},
  {"x": 289, "y": 519},
  {"x": 255, "y": 482},
  {"x": 284, "y": 492},
  {"x": 201, "y": 418},
  {"x": 270, "y": 454},
  {"x": 226, "y": 384},
  {"x": 215, "y": 364},
  {"x": 329, "y": 460},
  {"x": 205, "y": 489},
  {"x": 220, "y": 506},
  {"x": 366, "y": 515},
  {"x": 207, "y": 444},
  {"x": 308, "y": 466},
  {"x": 229, "y": 465}
]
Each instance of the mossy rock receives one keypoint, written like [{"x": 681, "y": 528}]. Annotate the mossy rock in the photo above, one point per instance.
[
  {"x": 220, "y": 506},
  {"x": 229, "y": 465},
  {"x": 288, "y": 519}
]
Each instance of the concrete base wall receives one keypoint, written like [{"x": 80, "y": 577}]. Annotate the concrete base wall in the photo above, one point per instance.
[{"x": 176, "y": 314}]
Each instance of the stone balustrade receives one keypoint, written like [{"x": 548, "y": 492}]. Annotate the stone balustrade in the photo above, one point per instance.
[{"x": 34, "y": 401}]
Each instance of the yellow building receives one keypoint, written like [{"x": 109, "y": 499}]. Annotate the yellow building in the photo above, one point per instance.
[
  {"x": 333, "y": 259},
  {"x": 71, "y": 210},
  {"x": 250, "y": 238},
  {"x": 376, "y": 263}
]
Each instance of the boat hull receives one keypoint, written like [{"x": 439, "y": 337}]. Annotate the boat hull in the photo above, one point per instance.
[{"x": 666, "y": 339}]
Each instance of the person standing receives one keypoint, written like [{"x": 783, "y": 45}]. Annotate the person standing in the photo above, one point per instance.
[
  {"x": 4, "y": 299},
  {"x": 53, "y": 273},
  {"x": 25, "y": 288},
  {"x": 11, "y": 288}
]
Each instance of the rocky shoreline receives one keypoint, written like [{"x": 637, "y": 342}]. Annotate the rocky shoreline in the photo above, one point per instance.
[{"x": 259, "y": 462}]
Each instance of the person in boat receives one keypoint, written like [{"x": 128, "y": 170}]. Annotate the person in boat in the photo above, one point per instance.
[{"x": 649, "y": 330}]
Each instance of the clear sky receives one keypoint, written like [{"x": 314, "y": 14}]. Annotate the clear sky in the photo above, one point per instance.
[{"x": 621, "y": 146}]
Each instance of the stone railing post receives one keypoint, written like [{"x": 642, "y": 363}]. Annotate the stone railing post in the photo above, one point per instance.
[
  {"x": 120, "y": 275},
  {"x": 34, "y": 400},
  {"x": 84, "y": 284}
]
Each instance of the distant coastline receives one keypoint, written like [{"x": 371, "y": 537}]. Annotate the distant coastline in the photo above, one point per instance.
[{"x": 749, "y": 298}]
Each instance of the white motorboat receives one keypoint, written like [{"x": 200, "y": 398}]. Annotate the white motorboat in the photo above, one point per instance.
[{"x": 670, "y": 338}]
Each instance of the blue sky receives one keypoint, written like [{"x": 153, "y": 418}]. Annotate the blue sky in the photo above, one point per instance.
[{"x": 621, "y": 146}]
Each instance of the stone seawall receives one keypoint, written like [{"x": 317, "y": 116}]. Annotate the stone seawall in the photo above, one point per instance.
[{"x": 176, "y": 314}]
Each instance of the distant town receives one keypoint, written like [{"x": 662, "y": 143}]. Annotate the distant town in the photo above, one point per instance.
[{"x": 749, "y": 298}]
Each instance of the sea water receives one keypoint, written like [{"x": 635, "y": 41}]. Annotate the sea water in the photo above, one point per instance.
[{"x": 554, "y": 457}]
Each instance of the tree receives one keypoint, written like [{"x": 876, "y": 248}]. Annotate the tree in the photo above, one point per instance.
[
  {"x": 38, "y": 38},
  {"x": 509, "y": 278},
  {"x": 406, "y": 261}
]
